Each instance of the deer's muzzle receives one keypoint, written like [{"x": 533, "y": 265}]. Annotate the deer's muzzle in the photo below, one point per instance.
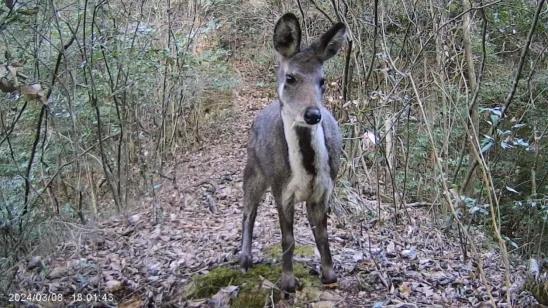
[{"x": 312, "y": 115}]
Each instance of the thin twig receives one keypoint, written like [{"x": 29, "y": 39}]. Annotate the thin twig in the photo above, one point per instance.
[{"x": 322, "y": 11}]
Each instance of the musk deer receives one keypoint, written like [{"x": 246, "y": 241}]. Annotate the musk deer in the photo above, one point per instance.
[{"x": 295, "y": 146}]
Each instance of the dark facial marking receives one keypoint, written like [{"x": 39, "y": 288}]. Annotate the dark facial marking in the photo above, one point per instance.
[{"x": 305, "y": 145}]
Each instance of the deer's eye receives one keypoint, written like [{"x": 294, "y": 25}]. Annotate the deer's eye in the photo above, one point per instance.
[
  {"x": 322, "y": 84},
  {"x": 290, "y": 79}
]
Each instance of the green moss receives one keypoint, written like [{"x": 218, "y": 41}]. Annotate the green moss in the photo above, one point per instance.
[
  {"x": 275, "y": 251},
  {"x": 246, "y": 299},
  {"x": 251, "y": 294},
  {"x": 208, "y": 284}
]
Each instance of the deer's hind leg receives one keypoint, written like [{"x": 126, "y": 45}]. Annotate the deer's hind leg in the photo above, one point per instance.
[{"x": 254, "y": 189}]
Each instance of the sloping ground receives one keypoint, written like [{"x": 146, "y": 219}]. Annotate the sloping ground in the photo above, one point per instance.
[{"x": 151, "y": 256}]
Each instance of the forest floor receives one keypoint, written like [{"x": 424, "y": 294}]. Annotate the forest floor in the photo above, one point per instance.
[{"x": 183, "y": 251}]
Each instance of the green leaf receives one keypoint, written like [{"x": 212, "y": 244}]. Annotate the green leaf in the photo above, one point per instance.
[{"x": 487, "y": 144}]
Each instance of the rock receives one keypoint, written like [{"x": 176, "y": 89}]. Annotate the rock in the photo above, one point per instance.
[
  {"x": 390, "y": 250},
  {"x": 330, "y": 296},
  {"x": 153, "y": 268},
  {"x": 410, "y": 254},
  {"x": 58, "y": 272},
  {"x": 133, "y": 219},
  {"x": 308, "y": 294},
  {"x": 35, "y": 262},
  {"x": 94, "y": 281}
]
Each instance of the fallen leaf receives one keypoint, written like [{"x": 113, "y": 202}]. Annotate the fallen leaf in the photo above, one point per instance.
[
  {"x": 267, "y": 284},
  {"x": 113, "y": 285},
  {"x": 405, "y": 289},
  {"x": 391, "y": 249},
  {"x": 34, "y": 91},
  {"x": 222, "y": 298},
  {"x": 323, "y": 304},
  {"x": 134, "y": 302}
]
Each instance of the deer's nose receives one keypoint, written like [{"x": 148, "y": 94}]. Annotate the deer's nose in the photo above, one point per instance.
[{"x": 312, "y": 115}]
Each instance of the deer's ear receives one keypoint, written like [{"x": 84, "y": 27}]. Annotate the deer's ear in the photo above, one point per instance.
[
  {"x": 287, "y": 35},
  {"x": 330, "y": 42}
]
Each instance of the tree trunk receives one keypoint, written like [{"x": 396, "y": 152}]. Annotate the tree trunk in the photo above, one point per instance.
[{"x": 473, "y": 124}]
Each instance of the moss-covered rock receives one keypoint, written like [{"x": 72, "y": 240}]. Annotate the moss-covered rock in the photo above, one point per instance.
[
  {"x": 255, "y": 288},
  {"x": 208, "y": 284}
]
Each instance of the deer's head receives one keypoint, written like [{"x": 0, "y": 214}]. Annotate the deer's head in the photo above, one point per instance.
[{"x": 301, "y": 81}]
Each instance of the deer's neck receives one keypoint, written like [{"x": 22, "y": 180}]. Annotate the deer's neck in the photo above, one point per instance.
[{"x": 308, "y": 160}]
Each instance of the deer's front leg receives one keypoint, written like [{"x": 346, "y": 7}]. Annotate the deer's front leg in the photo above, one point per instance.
[
  {"x": 317, "y": 217},
  {"x": 286, "y": 213}
]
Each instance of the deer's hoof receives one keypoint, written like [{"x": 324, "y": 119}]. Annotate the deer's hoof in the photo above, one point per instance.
[
  {"x": 329, "y": 277},
  {"x": 245, "y": 261},
  {"x": 288, "y": 283}
]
